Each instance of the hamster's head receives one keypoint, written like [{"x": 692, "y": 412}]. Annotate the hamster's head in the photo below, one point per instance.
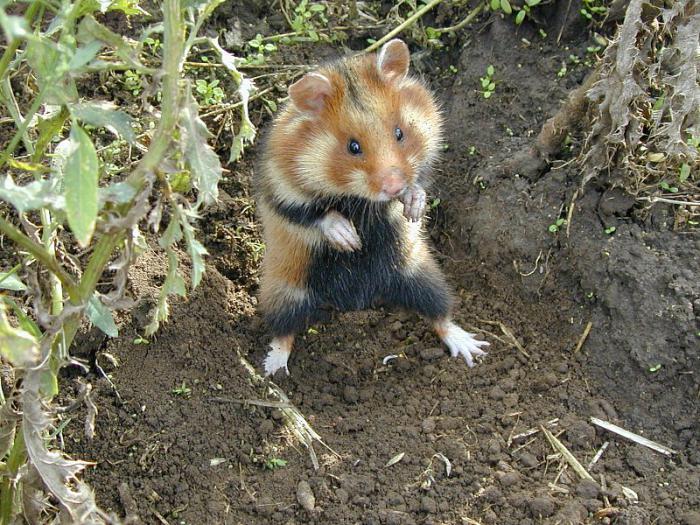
[{"x": 362, "y": 127}]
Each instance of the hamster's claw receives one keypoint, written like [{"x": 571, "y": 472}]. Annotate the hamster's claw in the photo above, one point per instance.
[
  {"x": 413, "y": 199},
  {"x": 340, "y": 232},
  {"x": 462, "y": 343}
]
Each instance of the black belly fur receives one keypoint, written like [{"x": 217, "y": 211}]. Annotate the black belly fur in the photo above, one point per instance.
[
  {"x": 348, "y": 281},
  {"x": 356, "y": 280}
]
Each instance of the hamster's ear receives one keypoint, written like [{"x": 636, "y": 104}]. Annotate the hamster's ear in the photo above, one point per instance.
[
  {"x": 393, "y": 60},
  {"x": 309, "y": 92}
]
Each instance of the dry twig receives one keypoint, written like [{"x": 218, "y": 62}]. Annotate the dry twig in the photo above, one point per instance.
[{"x": 633, "y": 437}]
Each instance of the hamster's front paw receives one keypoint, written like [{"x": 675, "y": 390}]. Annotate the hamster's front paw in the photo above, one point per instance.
[
  {"x": 461, "y": 343},
  {"x": 413, "y": 199},
  {"x": 340, "y": 232}
]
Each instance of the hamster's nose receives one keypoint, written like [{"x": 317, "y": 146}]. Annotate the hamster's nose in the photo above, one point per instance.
[{"x": 393, "y": 182}]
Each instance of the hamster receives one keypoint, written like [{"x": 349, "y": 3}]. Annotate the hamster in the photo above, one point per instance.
[{"x": 340, "y": 193}]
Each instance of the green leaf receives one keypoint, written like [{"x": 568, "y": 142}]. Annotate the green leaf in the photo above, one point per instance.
[
  {"x": 487, "y": 94},
  {"x": 684, "y": 172},
  {"x": 48, "y": 383},
  {"x": 119, "y": 193},
  {"x": 174, "y": 285},
  {"x": 24, "y": 321},
  {"x": 205, "y": 167},
  {"x": 505, "y": 6},
  {"x": 13, "y": 26},
  {"x": 195, "y": 248},
  {"x": 80, "y": 186},
  {"x": 520, "y": 17},
  {"x": 490, "y": 70},
  {"x": 105, "y": 115},
  {"x": 495, "y": 4},
  {"x": 229, "y": 61},
  {"x": 128, "y": 7},
  {"x": 19, "y": 347},
  {"x": 50, "y": 63},
  {"x": 10, "y": 281},
  {"x": 32, "y": 196},
  {"x": 197, "y": 252},
  {"x": 83, "y": 55},
  {"x": 180, "y": 181},
  {"x": 50, "y": 125},
  {"x": 101, "y": 316},
  {"x": 90, "y": 29},
  {"x": 532, "y": 3},
  {"x": 172, "y": 234}
]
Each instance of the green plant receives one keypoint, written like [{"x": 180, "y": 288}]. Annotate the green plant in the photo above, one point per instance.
[
  {"x": 275, "y": 463},
  {"x": 594, "y": 10},
  {"x": 667, "y": 187},
  {"x": 556, "y": 226},
  {"x": 525, "y": 10},
  {"x": 610, "y": 230},
  {"x": 488, "y": 85},
  {"x": 308, "y": 18},
  {"x": 501, "y": 5},
  {"x": 209, "y": 92},
  {"x": 182, "y": 390},
  {"x": 521, "y": 11},
  {"x": 259, "y": 49},
  {"x": 154, "y": 45},
  {"x": 133, "y": 82},
  {"x": 73, "y": 225}
]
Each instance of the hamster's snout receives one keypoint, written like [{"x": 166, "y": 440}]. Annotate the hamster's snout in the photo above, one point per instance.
[{"x": 393, "y": 182}]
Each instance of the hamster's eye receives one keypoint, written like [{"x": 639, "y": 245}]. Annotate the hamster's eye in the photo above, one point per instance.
[
  {"x": 354, "y": 147},
  {"x": 398, "y": 134}
]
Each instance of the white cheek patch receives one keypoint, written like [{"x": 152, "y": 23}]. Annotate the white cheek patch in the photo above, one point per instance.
[
  {"x": 427, "y": 128},
  {"x": 359, "y": 183},
  {"x": 311, "y": 164},
  {"x": 283, "y": 187}
]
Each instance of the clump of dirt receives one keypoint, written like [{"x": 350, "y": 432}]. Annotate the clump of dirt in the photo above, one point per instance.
[{"x": 421, "y": 438}]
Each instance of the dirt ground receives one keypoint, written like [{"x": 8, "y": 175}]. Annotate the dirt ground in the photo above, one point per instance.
[{"x": 208, "y": 458}]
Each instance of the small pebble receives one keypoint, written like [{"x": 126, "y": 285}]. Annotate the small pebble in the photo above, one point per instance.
[
  {"x": 691, "y": 518},
  {"x": 508, "y": 479},
  {"x": 431, "y": 354},
  {"x": 528, "y": 459},
  {"x": 542, "y": 507},
  {"x": 428, "y": 425},
  {"x": 305, "y": 496},
  {"x": 496, "y": 393},
  {"x": 587, "y": 489},
  {"x": 350, "y": 394},
  {"x": 427, "y": 504}
]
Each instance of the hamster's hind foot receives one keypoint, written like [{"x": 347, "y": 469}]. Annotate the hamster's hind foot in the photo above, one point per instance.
[
  {"x": 277, "y": 357},
  {"x": 460, "y": 342}
]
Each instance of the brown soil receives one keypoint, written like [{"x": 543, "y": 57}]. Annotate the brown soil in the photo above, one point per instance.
[{"x": 195, "y": 459}]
